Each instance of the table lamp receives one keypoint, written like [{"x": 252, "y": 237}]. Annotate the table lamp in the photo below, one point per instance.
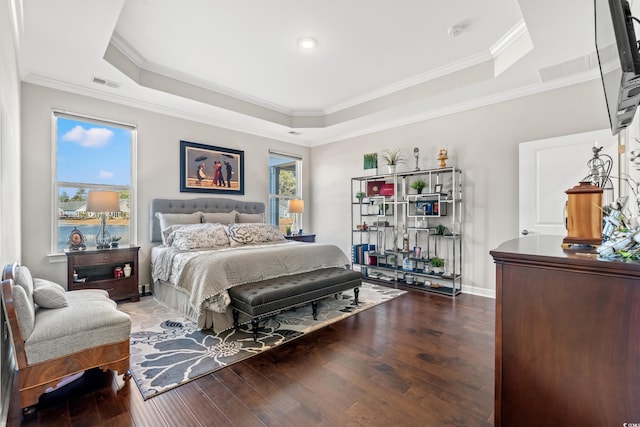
[
  {"x": 296, "y": 206},
  {"x": 103, "y": 202}
]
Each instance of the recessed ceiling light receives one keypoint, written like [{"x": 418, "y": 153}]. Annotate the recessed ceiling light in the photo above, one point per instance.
[{"x": 307, "y": 43}]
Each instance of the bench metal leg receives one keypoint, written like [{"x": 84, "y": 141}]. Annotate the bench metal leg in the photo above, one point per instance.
[
  {"x": 254, "y": 326},
  {"x": 314, "y": 308},
  {"x": 236, "y": 318},
  {"x": 356, "y": 293}
]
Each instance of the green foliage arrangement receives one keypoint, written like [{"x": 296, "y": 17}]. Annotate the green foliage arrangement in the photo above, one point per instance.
[
  {"x": 418, "y": 185},
  {"x": 436, "y": 262},
  {"x": 393, "y": 156}
]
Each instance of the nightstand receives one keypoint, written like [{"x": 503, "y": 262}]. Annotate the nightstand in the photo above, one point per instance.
[
  {"x": 95, "y": 269},
  {"x": 310, "y": 238}
]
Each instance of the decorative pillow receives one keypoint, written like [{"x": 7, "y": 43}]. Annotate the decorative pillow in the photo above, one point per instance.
[
  {"x": 242, "y": 234},
  {"x": 219, "y": 217},
  {"x": 195, "y": 236},
  {"x": 24, "y": 310},
  {"x": 25, "y": 280},
  {"x": 245, "y": 218},
  {"x": 49, "y": 294},
  {"x": 169, "y": 219},
  {"x": 167, "y": 237}
]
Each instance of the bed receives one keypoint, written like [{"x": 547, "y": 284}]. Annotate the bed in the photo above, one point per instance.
[{"x": 207, "y": 245}]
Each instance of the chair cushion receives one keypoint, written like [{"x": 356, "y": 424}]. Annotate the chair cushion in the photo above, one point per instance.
[
  {"x": 25, "y": 280},
  {"x": 25, "y": 310},
  {"x": 91, "y": 319},
  {"x": 48, "y": 294}
]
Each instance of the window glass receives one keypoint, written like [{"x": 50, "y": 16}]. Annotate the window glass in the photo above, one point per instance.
[
  {"x": 283, "y": 185},
  {"x": 91, "y": 155}
]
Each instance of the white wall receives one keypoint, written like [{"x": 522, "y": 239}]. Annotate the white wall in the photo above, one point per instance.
[
  {"x": 483, "y": 143},
  {"x": 9, "y": 141},
  {"x": 9, "y": 179},
  {"x": 158, "y": 167}
]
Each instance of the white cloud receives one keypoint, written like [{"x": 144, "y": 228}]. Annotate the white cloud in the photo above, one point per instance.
[
  {"x": 105, "y": 174},
  {"x": 92, "y": 137}
]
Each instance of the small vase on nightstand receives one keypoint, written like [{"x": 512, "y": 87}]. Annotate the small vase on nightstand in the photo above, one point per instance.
[{"x": 127, "y": 270}]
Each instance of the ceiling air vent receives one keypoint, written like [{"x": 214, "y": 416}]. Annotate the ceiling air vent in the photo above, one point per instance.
[{"x": 105, "y": 82}]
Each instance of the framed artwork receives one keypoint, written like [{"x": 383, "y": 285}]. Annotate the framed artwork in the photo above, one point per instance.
[
  {"x": 417, "y": 252},
  {"x": 370, "y": 161},
  {"x": 209, "y": 169},
  {"x": 438, "y": 189}
]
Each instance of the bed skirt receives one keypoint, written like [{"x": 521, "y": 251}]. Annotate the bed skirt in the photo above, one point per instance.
[{"x": 169, "y": 296}]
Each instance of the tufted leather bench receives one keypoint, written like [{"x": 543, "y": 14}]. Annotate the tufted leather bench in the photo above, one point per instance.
[{"x": 268, "y": 297}]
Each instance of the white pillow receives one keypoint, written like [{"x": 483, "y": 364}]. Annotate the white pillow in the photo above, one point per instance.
[
  {"x": 249, "y": 218},
  {"x": 219, "y": 217},
  {"x": 169, "y": 219},
  {"x": 48, "y": 294},
  {"x": 196, "y": 236},
  {"x": 242, "y": 234}
]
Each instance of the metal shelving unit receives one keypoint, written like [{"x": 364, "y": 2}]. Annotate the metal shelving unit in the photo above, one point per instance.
[{"x": 397, "y": 233}]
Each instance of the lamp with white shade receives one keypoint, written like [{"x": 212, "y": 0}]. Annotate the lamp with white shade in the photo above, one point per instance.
[
  {"x": 103, "y": 202},
  {"x": 296, "y": 206}
]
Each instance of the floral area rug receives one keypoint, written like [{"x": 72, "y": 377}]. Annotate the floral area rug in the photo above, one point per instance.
[{"x": 167, "y": 350}]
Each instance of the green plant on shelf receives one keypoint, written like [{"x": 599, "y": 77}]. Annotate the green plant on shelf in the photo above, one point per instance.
[
  {"x": 436, "y": 262},
  {"x": 360, "y": 195},
  {"x": 418, "y": 185},
  {"x": 442, "y": 230}
]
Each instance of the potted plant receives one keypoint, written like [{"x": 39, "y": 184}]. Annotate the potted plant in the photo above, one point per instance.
[
  {"x": 441, "y": 230},
  {"x": 437, "y": 264},
  {"x": 393, "y": 157},
  {"x": 288, "y": 230},
  {"x": 418, "y": 185},
  {"x": 114, "y": 241},
  {"x": 360, "y": 195}
]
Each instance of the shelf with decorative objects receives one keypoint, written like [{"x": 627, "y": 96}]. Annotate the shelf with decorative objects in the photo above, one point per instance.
[{"x": 407, "y": 229}]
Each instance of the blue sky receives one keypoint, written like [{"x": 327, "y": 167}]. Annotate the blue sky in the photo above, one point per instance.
[{"x": 92, "y": 153}]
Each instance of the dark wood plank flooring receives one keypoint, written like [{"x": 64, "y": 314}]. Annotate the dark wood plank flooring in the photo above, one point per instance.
[{"x": 419, "y": 360}]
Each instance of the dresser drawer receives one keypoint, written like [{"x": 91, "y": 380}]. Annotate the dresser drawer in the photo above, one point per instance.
[
  {"x": 118, "y": 289},
  {"x": 102, "y": 258}
]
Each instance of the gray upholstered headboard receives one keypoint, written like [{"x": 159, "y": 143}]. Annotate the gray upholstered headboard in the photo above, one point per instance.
[{"x": 201, "y": 204}]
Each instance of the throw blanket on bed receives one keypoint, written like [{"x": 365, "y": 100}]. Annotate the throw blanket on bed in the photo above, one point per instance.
[{"x": 207, "y": 274}]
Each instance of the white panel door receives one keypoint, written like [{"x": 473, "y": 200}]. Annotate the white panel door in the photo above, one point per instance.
[{"x": 549, "y": 167}]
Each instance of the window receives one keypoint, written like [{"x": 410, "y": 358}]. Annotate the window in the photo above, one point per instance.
[
  {"x": 92, "y": 154},
  {"x": 284, "y": 171}
]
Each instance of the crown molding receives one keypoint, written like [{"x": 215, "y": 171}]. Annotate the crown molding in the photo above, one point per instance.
[
  {"x": 412, "y": 81},
  {"x": 246, "y": 128},
  {"x": 510, "y": 37},
  {"x": 466, "y": 106}
]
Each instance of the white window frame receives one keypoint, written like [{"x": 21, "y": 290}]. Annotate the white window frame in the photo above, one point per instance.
[
  {"x": 275, "y": 198},
  {"x": 55, "y": 202}
]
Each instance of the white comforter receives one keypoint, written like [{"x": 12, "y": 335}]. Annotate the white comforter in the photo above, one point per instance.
[{"x": 207, "y": 274}]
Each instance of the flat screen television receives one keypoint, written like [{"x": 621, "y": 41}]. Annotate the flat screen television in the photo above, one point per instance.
[{"x": 619, "y": 60}]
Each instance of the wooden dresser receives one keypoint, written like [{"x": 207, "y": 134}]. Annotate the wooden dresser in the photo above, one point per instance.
[
  {"x": 567, "y": 336},
  {"x": 95, "y": 270}
]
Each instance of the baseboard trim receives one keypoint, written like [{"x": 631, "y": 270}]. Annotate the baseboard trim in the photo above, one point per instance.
[{"x": 483, "y": 292}]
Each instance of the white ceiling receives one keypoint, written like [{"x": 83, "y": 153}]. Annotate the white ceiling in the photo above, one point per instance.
[{"x": 236, "y": 64}]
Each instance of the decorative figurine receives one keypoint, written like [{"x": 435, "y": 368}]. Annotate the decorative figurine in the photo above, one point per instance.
[
  {"x": 76, "y": 240},
  {"x": 416, "y": 153},
  {"x": 442, "y": 156}
]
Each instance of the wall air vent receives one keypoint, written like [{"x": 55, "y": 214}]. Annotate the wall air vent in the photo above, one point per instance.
[{"x": 105, "y": 82}]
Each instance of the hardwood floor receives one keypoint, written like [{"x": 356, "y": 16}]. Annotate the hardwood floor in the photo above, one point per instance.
[{"x": 418, "y": 360}]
